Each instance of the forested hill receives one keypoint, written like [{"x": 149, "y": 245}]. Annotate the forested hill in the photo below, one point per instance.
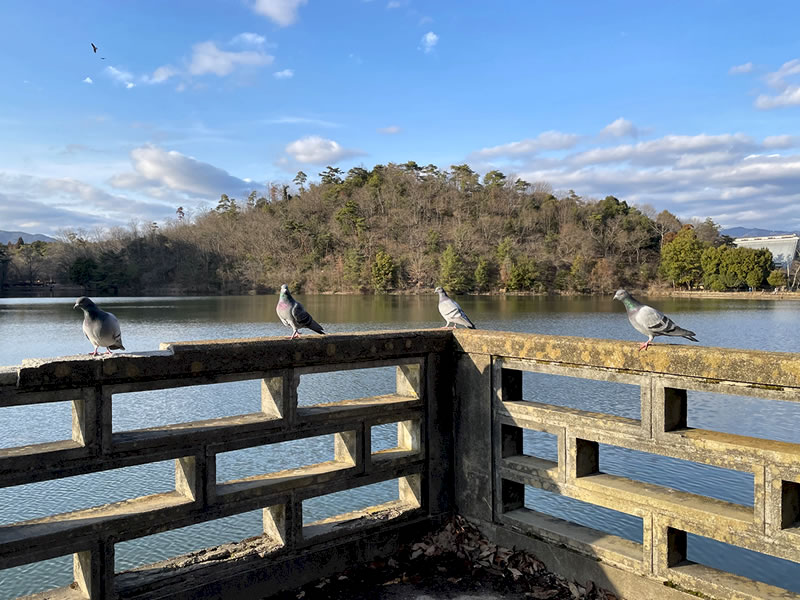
[{"x": 394, "y": 227}]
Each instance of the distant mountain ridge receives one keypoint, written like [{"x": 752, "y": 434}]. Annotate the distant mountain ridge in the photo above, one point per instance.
[
  {"x": 13, "y": 236},
  {"x": 737, "y": 232}
]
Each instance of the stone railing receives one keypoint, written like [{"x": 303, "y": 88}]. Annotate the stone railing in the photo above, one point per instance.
[
  {"x": 297, "y": 552},
  {"x": 461, "y": 420},
  {"x": 492, "y": 470}
]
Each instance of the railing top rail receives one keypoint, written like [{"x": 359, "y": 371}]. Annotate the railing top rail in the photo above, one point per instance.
[
  {"x": 771, "y": 370},
  {"x": 197, "y": 359}
]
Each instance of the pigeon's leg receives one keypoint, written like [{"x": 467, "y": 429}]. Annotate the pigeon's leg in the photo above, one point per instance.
[
  {"x": 644, "y": 346},
  {"x": 108, "y": 350},
  {"x": 295, "y": 334},
  {"x": 95, "y": 351}
]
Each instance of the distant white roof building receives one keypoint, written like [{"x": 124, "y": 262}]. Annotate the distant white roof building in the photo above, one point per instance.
[{"x": 784, "y": 248}]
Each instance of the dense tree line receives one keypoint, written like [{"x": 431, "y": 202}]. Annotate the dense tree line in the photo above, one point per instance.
[{"x": 398, "y": 227}]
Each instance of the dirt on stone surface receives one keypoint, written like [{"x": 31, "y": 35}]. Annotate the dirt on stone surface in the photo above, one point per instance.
[{"x": 453, "y": 563}]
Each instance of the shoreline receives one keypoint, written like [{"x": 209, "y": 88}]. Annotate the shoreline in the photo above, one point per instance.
[{"x": 67, "y": 292}]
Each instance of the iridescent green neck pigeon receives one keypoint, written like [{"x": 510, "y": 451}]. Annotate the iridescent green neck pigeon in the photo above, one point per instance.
[
  {"x": 649, "y": 321},
  {"x": 292, "y": 314}
]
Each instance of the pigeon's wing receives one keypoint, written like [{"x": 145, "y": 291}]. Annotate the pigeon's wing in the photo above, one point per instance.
[
  {"x": 655, "y": 322},
  {"x": 111, "y": 332},
  {"x": 452, "y": 313},
  {"x": 303, "y": 319},
  {"x": 114, "y": 332}
]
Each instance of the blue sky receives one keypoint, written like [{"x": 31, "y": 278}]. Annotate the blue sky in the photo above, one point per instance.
[{"x": 687, "y": 106}]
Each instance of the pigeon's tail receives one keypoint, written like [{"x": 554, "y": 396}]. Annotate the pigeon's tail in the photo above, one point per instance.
[
  {"x": 689, "y": 335},
  {"x": 117, "y": 347},
  {"x": 314, "y": 326}
]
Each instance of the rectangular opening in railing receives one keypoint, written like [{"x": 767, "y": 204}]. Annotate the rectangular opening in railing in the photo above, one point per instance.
[{"x": 749, "y": 416}]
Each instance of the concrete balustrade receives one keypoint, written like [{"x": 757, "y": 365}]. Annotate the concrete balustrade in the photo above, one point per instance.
[{"x": 461, "y": 417}]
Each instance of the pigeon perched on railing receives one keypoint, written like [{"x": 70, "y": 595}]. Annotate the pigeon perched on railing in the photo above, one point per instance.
[
  {"x": 292, "y": 314},
  {"x": 101, "y": 328},
  {"x": 451, "y": 311},
  {"x": 649, "y": 321}
]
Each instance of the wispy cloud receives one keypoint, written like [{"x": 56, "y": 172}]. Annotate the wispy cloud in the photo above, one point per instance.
[
  {"x": 208, "y": 58},
  {"x": 784, "y": 81},
  {"x": 722, "y": 176},
  {"x": 88, "y": 80},
  {"x": 123, "y": 77},
  {"x": 620, "y": 128},
  {"x": 282, "y": 12},
  {"x": 390, "y": 130},
  {"x": 548, "y": 140},
  {"x": 285, "y": 74},
  {"x": 248, "y": 39},
  {"x": 429, "y": 41},
  {"x": 741, "y": 69},
  {"x": 317, "y": 150}
]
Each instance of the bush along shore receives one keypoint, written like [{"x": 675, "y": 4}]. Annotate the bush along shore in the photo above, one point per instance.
[{"x": 397, "y": 227}]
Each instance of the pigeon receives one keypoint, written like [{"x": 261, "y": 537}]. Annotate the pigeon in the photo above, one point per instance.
[
  {"x": 649, "y": 321},
  {"x": 100, "y": 327},
  {"x": 292, "y": 314},
  {"x": 451, "y": 311}
]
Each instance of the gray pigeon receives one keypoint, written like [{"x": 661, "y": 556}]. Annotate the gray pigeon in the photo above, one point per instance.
[
  {"x": 100, "y": 327},
  {"x": 649, "y": 321},
  {"x": 451, "y": 311},
  {"x": 292, "y": 314}
]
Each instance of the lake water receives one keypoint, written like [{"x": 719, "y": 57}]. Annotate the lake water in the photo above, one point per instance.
[{"x": 46, "y": 327}]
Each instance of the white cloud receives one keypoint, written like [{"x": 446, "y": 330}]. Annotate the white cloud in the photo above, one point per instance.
[
  {"x": 394, "y": 4},
  {"x": 208, "y": 58},
  {"x": 285, "y": 74},
  {"x": 390, "y": 130},
  {"x": 548, "y": 140},
  {"x": 248, "y": 39},
  {"x": 429, "y": 41},
  {"x": 781, "y": 141},
  {"x": 317, "y": 150},
  {"x": 786, "y": 83},
  {"x": 282, "y": 12},
  {"x": 161, "y": 74},
  {"x": 620, "y": 128},
  {"x": 156, "y": 168},
  {"x": 788, "y": 97},
  {"x": 777, "y": 79},
  {"x": 88, "y": 80},
  {"x": 120, "y": 76},
  {"x": 741, "y": 69}
]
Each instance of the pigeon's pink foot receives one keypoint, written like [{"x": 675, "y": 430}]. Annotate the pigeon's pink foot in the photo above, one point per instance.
[
  {"x": 445, "y": 327},
  {"x": 296, "y": 334},
  {"x": 108, "y": 351},
  {"x": 644, "y": 346},
  {"x": 93, "y": 353}
]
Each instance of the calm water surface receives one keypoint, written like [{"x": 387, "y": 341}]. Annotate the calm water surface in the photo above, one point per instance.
[{"x": 46, "y": 327}]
